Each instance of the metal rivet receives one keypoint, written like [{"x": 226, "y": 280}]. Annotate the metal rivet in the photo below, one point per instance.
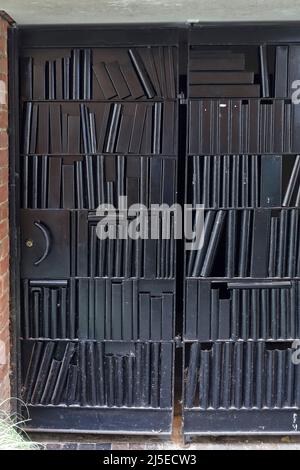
[{"x": 29, "y": 243}]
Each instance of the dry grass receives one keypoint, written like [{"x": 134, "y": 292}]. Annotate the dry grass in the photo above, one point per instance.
[{"x": 11, "y": 435}]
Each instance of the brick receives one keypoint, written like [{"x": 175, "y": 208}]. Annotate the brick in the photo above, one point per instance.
[
  {"x": 3, "y": 204},
  {"x": 4, "y": 371},
  {"x": 4, "y": 304},
  {"x": 120, "y": 446},
  {"x": 3, "y": 194},
  {"x": 3, "y": 352},
  {"x": 3, "y": 157},
  {"x": 4, "y": 252},
  {"x": 137, "y": 446},
  {"x": 3, "y": 228},
  {"x": 3, "y": 65},
  {"x": 4, "y": 360},
  {"x": 4, "y": 326},
  {"x": 5, "y": 277},
  {"x": 4, "y": 247},
  {"x": 3, "y": 118},
  {"x": 4, "y": 264},
  {"x": 4, "y": 390},
  {"x": 4, "y": 301},
  {"x": 3, "y": 222},
  {"x": 4, "y": 385},
  {"x": 3, "y": 31},
  {"x": 3, "y": 78},
  {"x": 70, "y": 446},
  {"x": 4, "y": 176},
  {"x": 3, "y": 140},
  {"x": 54, "y": 446},
  {"x": 5, "y": 395},
  {"x": 3, "y": 43},
  {"x": 153, "y": 446},
  {"x": 103, "y": 446},
  {"x": 3, "y": 86},
  {"x": 4, "y": 365},
  {"x": 4, "y": 317},
  {"x": 4, "y": 322},
  {"x": 86, "y": 446},
  {"x": 4, "y": 211},
  {"x": 3, "y": 26}
]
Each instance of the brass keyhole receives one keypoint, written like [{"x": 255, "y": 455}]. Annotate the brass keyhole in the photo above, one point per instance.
[{"x": 29, "y": 243}]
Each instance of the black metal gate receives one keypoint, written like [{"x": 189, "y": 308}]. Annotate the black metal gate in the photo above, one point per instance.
[
  {"x": 242, "y": 285},
  {"x": 97, "y": 315},
  {"x": 100, "y": 109}
]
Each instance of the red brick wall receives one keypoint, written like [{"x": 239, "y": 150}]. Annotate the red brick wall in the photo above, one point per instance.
[{"x": 4, "y": 225}]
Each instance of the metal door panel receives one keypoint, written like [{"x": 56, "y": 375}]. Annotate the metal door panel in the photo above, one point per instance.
[
  {"x": 97, "y": 316},
  {"x": 45, "y": 242},
  {"x": 241, "y": 286}
]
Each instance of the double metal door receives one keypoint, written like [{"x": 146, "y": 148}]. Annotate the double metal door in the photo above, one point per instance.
[{"x": 164, "y": 115}]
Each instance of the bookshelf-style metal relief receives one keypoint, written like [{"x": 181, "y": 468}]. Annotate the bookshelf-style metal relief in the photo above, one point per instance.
[
  {"x": 242, "y": 310},
  {"x": 242, "y": 281},
  {"x": 98, "y": 374},
  {"x": 241, "y": 375},
  {"x": 91, "y": 128},
  {"x": 133, "y": 73},
  {"x": 255, "y": 243},
  {"x": 98, "y": 309},
  {"x": 97, "y": 314},
  {"x": 87, "y": 181},
  {"x": 244, "y": 181}
]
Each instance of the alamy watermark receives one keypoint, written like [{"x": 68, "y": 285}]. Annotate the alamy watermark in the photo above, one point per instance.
[
  {"x": 296, "y": 92},
  {"x": 296, "y": 353},
  {"x": 161, "y": 221}
]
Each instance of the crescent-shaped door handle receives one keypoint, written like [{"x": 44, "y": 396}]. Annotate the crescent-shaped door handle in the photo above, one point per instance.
[{"x": 47, "y": 237}]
